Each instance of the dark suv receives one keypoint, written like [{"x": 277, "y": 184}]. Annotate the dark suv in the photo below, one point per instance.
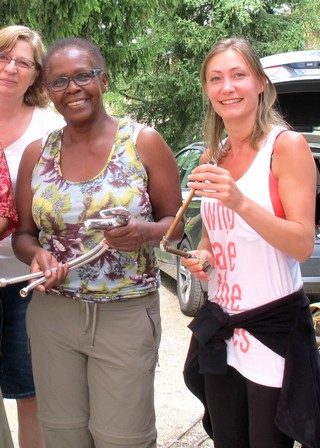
[{"x": 296, "y": 76}]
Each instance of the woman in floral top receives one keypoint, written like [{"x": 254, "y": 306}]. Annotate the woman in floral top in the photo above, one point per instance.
[
  {"x": 95, "y": 333},
  {"x": 8, "y": 214},
  {"x": 8, "y": 222}
]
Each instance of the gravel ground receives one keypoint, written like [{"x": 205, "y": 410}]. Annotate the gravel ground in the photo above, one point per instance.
[{"x": 178, "y": 411}]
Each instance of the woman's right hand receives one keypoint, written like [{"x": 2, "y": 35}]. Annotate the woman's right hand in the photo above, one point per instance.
[
  {"x": 55, "y": 272},
  {"x": 195, "y": 263}
]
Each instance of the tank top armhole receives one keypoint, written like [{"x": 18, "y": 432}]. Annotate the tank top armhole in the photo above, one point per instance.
[
  {"x": 273, "y": 185},
  {"x": 136, "y": 128}
]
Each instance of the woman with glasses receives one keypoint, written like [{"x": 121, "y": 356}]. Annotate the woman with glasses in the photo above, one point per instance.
[
  {"x": 24, "y": 118},
  {"x": 95, "y": 330}
]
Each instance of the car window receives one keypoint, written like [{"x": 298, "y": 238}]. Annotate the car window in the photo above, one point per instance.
[
  {"x": 296, "y": 76},
  {"x": 186, "y": 161}
]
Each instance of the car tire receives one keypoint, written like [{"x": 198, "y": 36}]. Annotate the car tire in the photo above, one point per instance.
[{"x": 189, "y": 290}]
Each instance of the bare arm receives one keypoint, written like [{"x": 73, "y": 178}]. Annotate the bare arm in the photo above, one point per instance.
[
  {"x": 25, "y": 239},
  {"x": 4, "y": 224},
  {"x": 164, "y": 191},
  {"x": 294, "y": 168}
]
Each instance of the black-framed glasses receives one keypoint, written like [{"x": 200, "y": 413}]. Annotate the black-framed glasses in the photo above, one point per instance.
[
  {"x": 5, "y": 59},
  {"x": 81, "y": 79}
]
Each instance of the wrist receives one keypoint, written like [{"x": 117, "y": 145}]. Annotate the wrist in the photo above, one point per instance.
[{"x": 243, "y": 206}]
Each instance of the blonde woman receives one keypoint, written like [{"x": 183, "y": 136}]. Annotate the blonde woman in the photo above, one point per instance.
[
  {"x": 253, "y": 340},
  {"x": 24, "y": 118}
]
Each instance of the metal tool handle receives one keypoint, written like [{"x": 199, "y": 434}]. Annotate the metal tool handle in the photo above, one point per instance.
[{"x": 110, "y": 219}]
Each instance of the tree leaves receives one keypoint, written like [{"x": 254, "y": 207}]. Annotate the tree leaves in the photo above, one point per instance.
[{"x": 154, "y": 48}]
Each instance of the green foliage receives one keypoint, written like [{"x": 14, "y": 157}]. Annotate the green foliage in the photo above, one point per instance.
[
  {"x": 310, "y": 19},
  {"x": 112, "y": 24},
  {"x": 168, "y": 95},
  {"x": 154, "y": 48}
]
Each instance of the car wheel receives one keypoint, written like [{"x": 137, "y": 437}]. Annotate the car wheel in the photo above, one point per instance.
[{"x": 189, "y": 290}]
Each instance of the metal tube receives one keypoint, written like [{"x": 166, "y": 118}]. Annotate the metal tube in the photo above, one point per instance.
[
  {"x": 74, "y": 264},
  {"x": 22, "y": 278},
  {"x": 111, "y": 218},
  {"x": 10, "y": 281}
]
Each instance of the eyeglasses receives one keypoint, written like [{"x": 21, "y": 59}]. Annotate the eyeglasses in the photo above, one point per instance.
[
  {"x": 5, "y": 59},
  {"x": 81, "y": 79}
]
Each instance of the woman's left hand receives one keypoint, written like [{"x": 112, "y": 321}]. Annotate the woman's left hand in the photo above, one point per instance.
[
  {"x": 127, "y": 238},
  {"x": 215, "y": 182}
]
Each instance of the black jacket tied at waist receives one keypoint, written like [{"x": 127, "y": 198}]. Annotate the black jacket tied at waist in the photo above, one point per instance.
[{"x": 285, "y": 326}]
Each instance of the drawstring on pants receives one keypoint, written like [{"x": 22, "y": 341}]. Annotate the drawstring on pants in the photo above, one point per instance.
[{"x": 87, "y": 321}]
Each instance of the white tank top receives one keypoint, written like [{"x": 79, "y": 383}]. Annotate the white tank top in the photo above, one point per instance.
[
  {"x": 249, "y": 272},
  {"x": 43, "y": 121}
]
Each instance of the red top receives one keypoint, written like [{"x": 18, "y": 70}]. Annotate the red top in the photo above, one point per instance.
[{"x": 7, "y": 206}]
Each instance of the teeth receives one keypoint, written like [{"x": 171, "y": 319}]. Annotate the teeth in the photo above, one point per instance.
[
  {"x": 231, "y": 101},
  {"x": 76, "y": 103}
]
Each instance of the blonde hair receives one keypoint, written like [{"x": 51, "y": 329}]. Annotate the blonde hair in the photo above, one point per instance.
[
  {"x": 36, "y": 93},
  {"x": 267, "y": 115}
]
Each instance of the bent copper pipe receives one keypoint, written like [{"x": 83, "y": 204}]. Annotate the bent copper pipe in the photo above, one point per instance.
[
  {"x": 164, "y": 244},
  {"x": 166, "y": 238}
]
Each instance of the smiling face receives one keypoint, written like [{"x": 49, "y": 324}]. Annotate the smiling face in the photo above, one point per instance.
[
  {"x": 14, "y": 80},
  {"x": 76, "y": 103},
  {"x": 231, "y": 86}
]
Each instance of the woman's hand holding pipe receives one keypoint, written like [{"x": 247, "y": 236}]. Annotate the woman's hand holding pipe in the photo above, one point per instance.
[
  {"x": 195, "y": 263},
  {"x": 53, "y": 271},
  {"x": 215, "y": 182},
  {"x": 127, "y": 238}
]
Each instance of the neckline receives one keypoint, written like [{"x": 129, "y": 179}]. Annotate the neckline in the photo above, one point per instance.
[
  {"x": 261, "y": 150},
  {"x": 121, "y": 122}
]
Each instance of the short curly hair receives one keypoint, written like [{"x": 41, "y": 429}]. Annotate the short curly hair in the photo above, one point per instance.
[
  {"x": 36, "y": 93},
  {"x": 79, "y": 43}
]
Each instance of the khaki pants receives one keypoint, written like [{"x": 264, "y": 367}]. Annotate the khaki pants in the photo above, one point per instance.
[{"x": 93, "y": 366}]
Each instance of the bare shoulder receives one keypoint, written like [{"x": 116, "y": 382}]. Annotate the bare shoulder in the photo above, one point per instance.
[
  {"x": 31, "y": 154},
  {"x": 155, "y": 154},
  {"x": 290, "y": 142},
  {"x": 151, "y": 144},
  {"x": 149, "y": 136},
  {"x": 291, "y": 150}
]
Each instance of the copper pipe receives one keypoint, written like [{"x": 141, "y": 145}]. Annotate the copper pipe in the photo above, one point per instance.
[
  {"x": 164, "y": 244},
  {"x": 166, "y": 238}
]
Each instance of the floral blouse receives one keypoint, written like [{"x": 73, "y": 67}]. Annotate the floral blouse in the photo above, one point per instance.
[
  {"x": 7, "y": 206},
  {"x": 60, "y": 207}
]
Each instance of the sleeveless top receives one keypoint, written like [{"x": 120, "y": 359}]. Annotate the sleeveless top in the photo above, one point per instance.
[
  {"x": 249, "y": 272},
  {"x": 43, "y": 121},
  {"x": 60, "y": 207}
]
